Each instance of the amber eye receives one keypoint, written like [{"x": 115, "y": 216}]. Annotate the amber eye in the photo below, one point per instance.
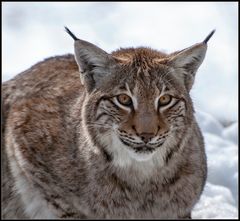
[
  {"x": 124, "y": 99},
  {"x": 165, "y": 99}
]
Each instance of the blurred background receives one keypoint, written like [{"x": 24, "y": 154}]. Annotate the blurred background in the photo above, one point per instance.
[{"x": 34, "y": 31}]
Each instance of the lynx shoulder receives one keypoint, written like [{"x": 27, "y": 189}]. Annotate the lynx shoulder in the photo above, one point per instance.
[{"x": 99, "y": 135}]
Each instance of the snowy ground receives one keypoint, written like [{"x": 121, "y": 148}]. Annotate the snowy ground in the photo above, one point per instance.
[
  {"x": 220, "y": 196},
  {"x": 34, "y": 31}
]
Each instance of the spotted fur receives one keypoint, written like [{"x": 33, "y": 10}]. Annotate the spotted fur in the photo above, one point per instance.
[{"x": 71, "y": 150}]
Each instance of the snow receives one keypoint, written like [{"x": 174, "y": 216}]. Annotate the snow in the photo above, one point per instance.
[
  {"x": 231, "y": 133},
  {"x": 216, "y": 203},
  {"x": 34, "y": 31},
  {"x": 220, "y": 195},
  {"x": 208, "y": 123}
]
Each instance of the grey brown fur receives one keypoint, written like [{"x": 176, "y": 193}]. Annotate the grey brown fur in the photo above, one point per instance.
[{"x": 62, "y": 155}]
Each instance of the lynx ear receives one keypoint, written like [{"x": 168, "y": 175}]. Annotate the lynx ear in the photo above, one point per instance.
[
  {"x": 92, "y": 61},
  {"x": 187, "y": 61}
]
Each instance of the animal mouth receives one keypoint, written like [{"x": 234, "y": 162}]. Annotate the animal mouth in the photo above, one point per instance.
[{"x": 143, "y": 149}]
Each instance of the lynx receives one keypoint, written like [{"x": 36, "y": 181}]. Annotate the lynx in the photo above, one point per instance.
[{"x": 103, "y": 135}]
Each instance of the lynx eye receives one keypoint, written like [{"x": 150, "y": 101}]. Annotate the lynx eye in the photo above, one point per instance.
[
  {"x": 165, "y": 99},
  {"x": 124, "y": 99}
]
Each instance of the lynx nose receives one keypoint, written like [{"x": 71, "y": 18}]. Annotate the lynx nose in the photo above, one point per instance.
[{"x": 146, "y": 137}]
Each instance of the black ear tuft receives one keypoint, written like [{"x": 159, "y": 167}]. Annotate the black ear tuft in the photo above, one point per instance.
[
  {"x": 71, "y": 34},
  {"x": 209, "y": 36}
]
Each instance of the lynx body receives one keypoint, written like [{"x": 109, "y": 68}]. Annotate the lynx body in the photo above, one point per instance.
[{"x": 117, "y": 140}]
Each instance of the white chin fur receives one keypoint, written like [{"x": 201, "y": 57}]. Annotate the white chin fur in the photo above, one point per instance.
[
  {"x": 123, "y": 156},
  {"x": 140, "y": 156}
]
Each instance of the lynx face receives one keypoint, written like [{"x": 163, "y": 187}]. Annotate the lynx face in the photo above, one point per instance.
[
  {"x": 138, "y": 102},
  {"x": 140, "y": 114}
]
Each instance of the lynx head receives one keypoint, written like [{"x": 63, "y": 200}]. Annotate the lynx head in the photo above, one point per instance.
[{"x": 137, "y": 104}]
